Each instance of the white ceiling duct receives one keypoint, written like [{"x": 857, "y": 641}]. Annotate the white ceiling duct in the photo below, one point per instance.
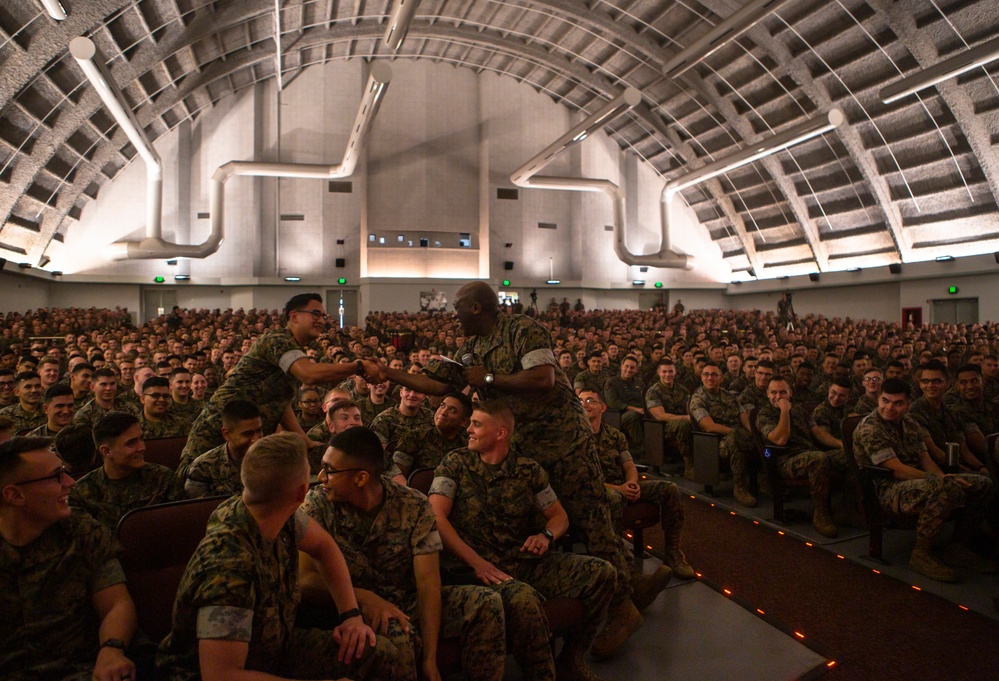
[{"x": 398, "y": 23}]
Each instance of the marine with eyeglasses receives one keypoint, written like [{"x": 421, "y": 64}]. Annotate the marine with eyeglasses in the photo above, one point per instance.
[{"x": 270, "y": 374}]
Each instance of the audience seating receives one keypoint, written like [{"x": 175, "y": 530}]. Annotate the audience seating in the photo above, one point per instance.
[
  {"x": 421, "y": 479},
  {"x": 990, "y": 456},
  {"x": 612, "y": 418},
  {"x": 865, "y": 477},
  {"x": 770, "y": 455},
  {"x": 165, "y": 451},
  {"x": 157, "y": 542},
  {"x": 654, "y": 447}
]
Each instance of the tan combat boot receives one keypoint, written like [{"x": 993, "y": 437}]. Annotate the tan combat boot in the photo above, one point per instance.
[
  {"x": 571, "y": 665},
  {"x": 743, "y": 496},
  {"x": 646, "y": 588},
  {"x": 823, "y": 524},
  {"x": 923, "y": 562},
  {"x": 622, "y": 621}
]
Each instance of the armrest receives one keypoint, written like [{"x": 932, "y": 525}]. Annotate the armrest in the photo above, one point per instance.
[{"x": 878, "y": 473}]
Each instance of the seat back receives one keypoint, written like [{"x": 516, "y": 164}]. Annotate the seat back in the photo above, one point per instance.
[
  {"x": 705, "y": 448},
  {"x": 421, "y": 479},
  {"x": 864, "y": 481},
  {"x": 654, "y": 446},
  {"x": 612, "y": 418},
  {"x": 165, "y": 451},
  {"x": 990, "y": 456},
  {"x": 157, "y": 543}
]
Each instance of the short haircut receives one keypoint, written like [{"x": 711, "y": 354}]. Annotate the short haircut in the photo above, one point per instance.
[
  {"x": 11, "y": 451},
  {"x": 300, "y": 301},
  {"x": 806, "y": 365},
  {"x": 235, "y": 411},
  {"x": 112, "y": 426},
  {"x": 711, "y": 364},
  {"x": 665, "y": 361},
  {"x": 48, "y": 360},
  {"x": 339, "y": 405},
  {"x": 765, "y": 364},
  {"x": 896, "y": 386},
  {"x": 82, "y": 366},
  {"x": 871, "y": 370},
  {"x": 596, "y": 353},
  {"x": 596, "y": 393},
  {"x": 155, "y": 382},
  {"x": 974, "y": 368},
  {"x": 778, "y": 378},
  {"x": 630, "y": 358},
  {"x": 75, "y": 445},
  {"x": 104, "y": 372},
  {"x": 842, "y": 383},
  {"x": 466, "y": 402},
  {"x": 273, "y": 466},
  {"x": 179, "y": 370},
  {"x": 935, "y": 365},
  {"x": 6, "y": 371},
  {"x": 498, "y": 408},
  {"x": 26, "y": 376},
  {"x": 57, "y": 390},
  {"x": 309, "y": 389},
  {"x": 362, "y": 446},
  {"x": 895, "y": 364}
]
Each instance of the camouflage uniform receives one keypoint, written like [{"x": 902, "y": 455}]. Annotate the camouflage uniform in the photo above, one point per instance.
[
  {"x": 425, "y": 448},
  {"x": 752, "y": 397},
  {"x": 942, "y": 424},
  {"x": 673, "y": 399},
  {"x": 587, "y": 380},
  {"x": 379, "y": 552},
  {"x": 495, "y": 509},
  {"x": 213, "y": 473},
  {"x": 554, "y": 428},
  {"x": 974, "y": 418},
  {"x": 613, "y": 449},
  {"x": 307, "y": 424},
  {"x": 803, "y": 396},
  {"x": 186, "y": 413},
  {"x": 48, "y": 629},
  {"x": 107, "y": 500},
  {"x": 829, "y": 418},
  {"x": 90, "y": 413},
  {"x": 620, "y": 394},
  {"x": 320, "y": 432},
  {"x": 737, "y": 447},
  {"x": 261, "y": 377},
  {"x": 865, "y": 405},
  {"x": 803, "y": 458},
  {"x": 392, "y": 424},
  {"x": 369, "y": 410},
  {"x": 932, "y": 499},
  {"x": 168, "y": 427},
  {"x": 43, "y": 431},
  {"x": 23, "y": 419},
  {"x": 240, "y": 587}
]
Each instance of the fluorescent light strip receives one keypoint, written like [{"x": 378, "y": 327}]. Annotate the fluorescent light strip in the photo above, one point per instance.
[
  {"x": 398, "y": 23},
  {"x": 55, "y": 9},
  {"x": 720, "y": 35},
  {"x": 970, "y": 59},
  {"x": 796, "y": 135}
]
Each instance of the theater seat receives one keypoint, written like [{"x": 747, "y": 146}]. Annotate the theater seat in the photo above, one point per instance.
[
  {"x": 157, "y": 542},
  {"x": 770, "y": 455},
  {"x": 421, "y": 479},
  {"x": 865, "y": 477},
  {"x": 165, "y": 451}
]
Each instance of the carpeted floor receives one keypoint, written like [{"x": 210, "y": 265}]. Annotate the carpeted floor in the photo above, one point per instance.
[{"x": 873, "y": 626}]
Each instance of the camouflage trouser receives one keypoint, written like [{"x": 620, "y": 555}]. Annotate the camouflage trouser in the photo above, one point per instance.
[
  {"x": 474, "y": 616},
  {"x": 575, "y": 476},
  {"x": 631, "y": 424},
  {"x": 661, "y": 492},
  {"x": 680, "y": 431},
  {"x": 591, "y": 580},
  {"x": 738, "y": 448},
  {"x": 818, "y": 467},
  {"x": 934, "y": 500},
  {"x": 313, "y": 654}
]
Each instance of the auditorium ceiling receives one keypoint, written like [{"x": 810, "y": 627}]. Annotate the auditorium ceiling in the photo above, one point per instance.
[{"x": 900, "y": 182}]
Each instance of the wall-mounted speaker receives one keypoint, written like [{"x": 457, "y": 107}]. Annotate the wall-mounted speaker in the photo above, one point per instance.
[
  {"x": 508, "y": 265},
  {"x": 341, "y": 262},
  {"x": 895, "y": 268},
  {"x": 813, "y": 276}
]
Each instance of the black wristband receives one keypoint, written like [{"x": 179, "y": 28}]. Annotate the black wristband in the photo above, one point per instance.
[
  {"x": 548, "y": 533},
  {"x": 353, "y": 612}
]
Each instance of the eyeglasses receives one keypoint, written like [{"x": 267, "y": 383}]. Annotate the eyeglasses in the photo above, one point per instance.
[
  {"x": 329, "y": 471},
  {"x": 873, "y": 379},
  {"x": 57, "y": 476},
  {"x": 317, "y": 315},
  {"x": 158, "y": 396},
  {"x": 591, "y": 400}
]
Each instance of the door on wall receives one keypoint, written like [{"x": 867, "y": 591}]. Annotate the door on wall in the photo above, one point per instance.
[
  {"x": 157, "y": 301},
  {"x": 341, "y": 305},
  {"x": 954, "y": 311}
]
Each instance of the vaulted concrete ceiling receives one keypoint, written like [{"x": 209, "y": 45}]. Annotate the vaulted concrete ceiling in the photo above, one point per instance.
[{"x": 900, "y": 182}]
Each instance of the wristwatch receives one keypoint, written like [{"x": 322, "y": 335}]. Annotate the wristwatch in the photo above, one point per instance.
[
  {"x": 114, "y": 643},
  {"x": 489, "y": 378},
  {"x": 353, "y": 612},
  {"x": 360, "y": 369},
  {"x": 548, "y": 533}
]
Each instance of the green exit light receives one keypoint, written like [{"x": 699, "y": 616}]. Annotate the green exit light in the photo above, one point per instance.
[
  {"x": 341, "y": 280},
  {"x": 506, "y": 282},
  {"x": 159, "y": 280},
  {"x": 952, "y": 290},
  {"x": 659, "y": 284}
]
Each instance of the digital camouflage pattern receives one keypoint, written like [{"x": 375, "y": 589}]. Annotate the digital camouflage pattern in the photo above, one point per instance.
[
  {"x": 737, "y": 447},
  {"x": 379, "y": 553},
  {"x": 106, "y": 500},
  {"x": 186, "y": 413},
  {"x": 261, "y": 376},
  {"x": 212, "y": 474},
  {"x": 425, "y": 447},
  {"x": 587, "y": 380},
  {"x": 49, "y": 628},
  {"x": 865, "y": 405},
  {"x": 392, "y": 424},
  {"x": 168, "y": 427},
  {"x": 42, "y": 431},
  {"x": 752, "y": 397},
  {"x": 830, "y": 418},
  {"x": 90, "y": 413},
  {"x": 369, "y": 410},
  {"x": 495, "y": 509},
  {"x": 980, "y": 417},
  {"x": 612, "y": 449},
  {"x": 240, "y": 587},
  {"x": 932, "y": 499},
  {"x": 553, "y": 428},
  {"x": 620, "y": 394},
  {"x": 23, "y": 420},
  {"x": 674, "y": 400},
  {"x": 942, "y": 424},
  {"x": 319, "y": 432}
]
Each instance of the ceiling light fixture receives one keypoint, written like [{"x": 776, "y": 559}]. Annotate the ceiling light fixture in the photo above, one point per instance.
[
  {"x": 293, "y": 279},
  {"x": 725, "y": 32},
  {"x": 949, "y": 68}
]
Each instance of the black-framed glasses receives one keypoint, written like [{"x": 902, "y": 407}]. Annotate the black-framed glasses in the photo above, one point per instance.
[
  {"x": 317, "y": 315},
  {"x": 158, "y": 396},
  {"x": 57, "y": 476},
  {"x": 330, "y": 471}
]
